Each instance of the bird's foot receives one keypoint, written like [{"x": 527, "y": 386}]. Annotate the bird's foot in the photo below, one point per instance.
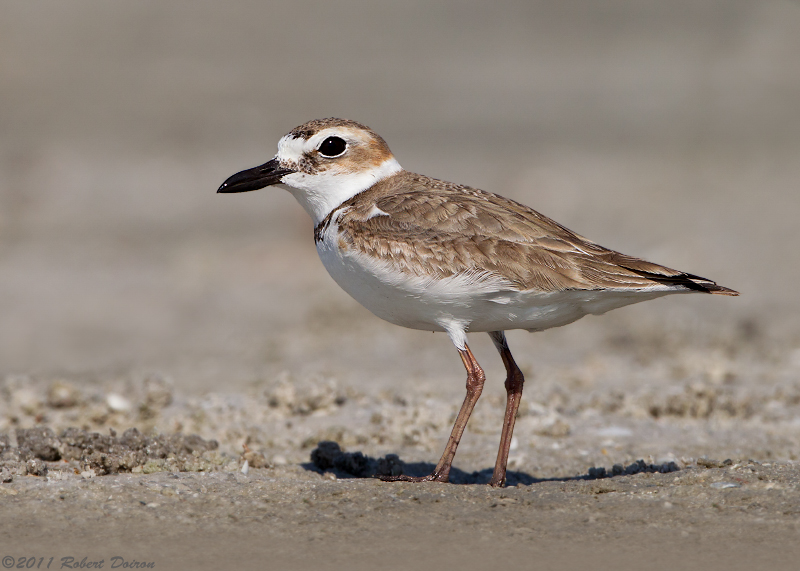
[
  {"x": 497, "y": 482},
  {"x": 429, "y": 478}
]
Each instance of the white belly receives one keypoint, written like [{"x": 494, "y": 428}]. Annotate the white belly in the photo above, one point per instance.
[{"x": 466, "y": 302}]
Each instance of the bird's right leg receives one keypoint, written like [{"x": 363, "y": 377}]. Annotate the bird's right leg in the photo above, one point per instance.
[
  {"x": 514, "y": 382},
  {"x": 475, "y": 381}
]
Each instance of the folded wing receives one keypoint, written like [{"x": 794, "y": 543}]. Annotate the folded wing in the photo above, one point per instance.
[{"x": 421, "y": 226}]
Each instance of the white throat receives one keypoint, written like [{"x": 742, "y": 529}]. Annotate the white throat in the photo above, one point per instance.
[{"x": 321, "y": 193}]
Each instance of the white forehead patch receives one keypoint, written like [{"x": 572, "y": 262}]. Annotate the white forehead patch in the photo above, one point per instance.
[{"x": 290, "y": 149}]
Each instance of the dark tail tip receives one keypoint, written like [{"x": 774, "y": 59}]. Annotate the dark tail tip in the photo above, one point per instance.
[{"x": 719, "y": 290}]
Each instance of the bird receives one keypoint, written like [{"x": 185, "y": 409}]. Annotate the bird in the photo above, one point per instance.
[{"x": 432, "y": 255}]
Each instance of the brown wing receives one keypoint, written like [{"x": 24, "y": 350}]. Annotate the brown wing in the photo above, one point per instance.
[{"x": 426, "y": 226}]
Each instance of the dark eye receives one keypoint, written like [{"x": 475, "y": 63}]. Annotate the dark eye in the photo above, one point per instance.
[{"x": 332, "y": 147}]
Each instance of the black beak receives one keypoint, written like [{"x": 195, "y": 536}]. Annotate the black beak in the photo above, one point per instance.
[{"x": 252, "y": 179}]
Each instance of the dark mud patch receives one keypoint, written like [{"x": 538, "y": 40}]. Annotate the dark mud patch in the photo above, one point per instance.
[{"x": 40, "y": 449}]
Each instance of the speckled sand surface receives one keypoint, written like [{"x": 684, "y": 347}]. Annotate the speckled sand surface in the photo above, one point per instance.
[{"x": 133, "y": 297}]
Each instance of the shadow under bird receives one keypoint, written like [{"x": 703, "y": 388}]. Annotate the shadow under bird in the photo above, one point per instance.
[{"x": 438, "y": 256}]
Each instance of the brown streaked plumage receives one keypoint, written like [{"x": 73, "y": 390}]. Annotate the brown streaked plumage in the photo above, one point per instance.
[
  {"x": 429, "y": 254},
  {"x": 437, "y": 228},
  {"x": 308, "y": 130}
]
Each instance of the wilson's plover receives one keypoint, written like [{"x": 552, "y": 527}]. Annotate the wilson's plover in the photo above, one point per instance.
[{"x": 438, "y": 256}]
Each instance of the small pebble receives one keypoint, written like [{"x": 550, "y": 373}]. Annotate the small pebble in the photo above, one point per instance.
[
  {"x": 35, "y": 467},
  {"x": 723, "y": 485},
  {"x": 118, "y": 403}
]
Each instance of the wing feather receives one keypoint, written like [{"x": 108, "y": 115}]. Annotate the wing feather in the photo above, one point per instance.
[{"x": 443, "y": 229}]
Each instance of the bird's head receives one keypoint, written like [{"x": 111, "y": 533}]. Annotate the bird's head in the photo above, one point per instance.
[{"x": 322, "y": 163}]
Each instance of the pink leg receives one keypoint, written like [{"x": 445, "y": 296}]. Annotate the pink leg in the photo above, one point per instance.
[
  {"x": 475, "y": 380},
  {"x": 514, "y": 382}
]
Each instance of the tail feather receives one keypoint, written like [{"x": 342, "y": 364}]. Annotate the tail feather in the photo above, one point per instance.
[
  {"x": 689, "y": 281},
  {"x": 664, "y": 275}
]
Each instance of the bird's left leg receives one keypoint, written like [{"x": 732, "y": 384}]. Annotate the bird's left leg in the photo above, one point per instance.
[
  {"x": 514, "y": 382},
  {"x": 475, "y": 381}
]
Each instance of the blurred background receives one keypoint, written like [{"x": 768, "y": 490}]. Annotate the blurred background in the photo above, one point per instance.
[{"x": 666, "y": 130}]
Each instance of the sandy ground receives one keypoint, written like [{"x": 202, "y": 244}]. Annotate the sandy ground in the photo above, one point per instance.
[{"x": 132, "y": 296}]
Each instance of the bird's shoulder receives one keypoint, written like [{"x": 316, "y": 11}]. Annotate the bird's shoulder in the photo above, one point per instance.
[{"x": 411, "y": 205}]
